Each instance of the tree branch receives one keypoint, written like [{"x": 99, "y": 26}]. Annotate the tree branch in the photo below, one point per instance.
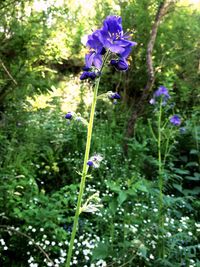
[
  {"x": 162, "y": 9},
  {"x": 151, "y": 43},
  {"x": 8, "y": 73}
]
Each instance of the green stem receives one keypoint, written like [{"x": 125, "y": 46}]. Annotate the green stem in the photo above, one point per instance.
[
  {"x": 167, "y": 148},
  {"x": 84, "y": 173},
  {"x": 85, "y": 166},
  {"x": 151, "y": 130},
  {"x": 160, "y": 182}
]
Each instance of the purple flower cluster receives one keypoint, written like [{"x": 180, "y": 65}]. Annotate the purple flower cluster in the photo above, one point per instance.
[
  {"x": 86, "y": 74},
  {"x": 175, "y": 120},
  {"x": 109, "y": 37},
  {"x": 161, "y": 92}
]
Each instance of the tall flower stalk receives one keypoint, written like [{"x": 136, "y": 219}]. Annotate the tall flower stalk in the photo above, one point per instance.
[
  {"x": 109, "y": 42},
  {"x": 84, "y": 173},
  {"x": 160, "y": 183},
  {"x": 160, "y": 99}
]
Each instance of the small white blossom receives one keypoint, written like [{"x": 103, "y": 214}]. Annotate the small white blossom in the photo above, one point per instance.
[
  {"x": 151, "y": 256},
  {"x": 2, "y": 242}
]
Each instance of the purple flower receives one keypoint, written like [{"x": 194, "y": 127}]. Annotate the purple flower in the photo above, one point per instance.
[
  {"x": 116, "y": 96},
  {"x": 120, "y": 64},
  {"x": 86, "y": 74},
  {"x": 69, "y": 115},
  {"x": 109, "y": 37},
  {"x": 90, "y": 163},
  {"x": 112, "y": 95},
  {"x": 175, "y": 120},
  {"x": 162, "y": 91},
  {"x": 114, "y": 39},
  {"x": 94, "y": 161},
  {"x": 97, "y": 50}
]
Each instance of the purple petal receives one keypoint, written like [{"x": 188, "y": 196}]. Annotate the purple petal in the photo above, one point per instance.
[
  {"x": 84, "y": 76},
  {"x": 89, "y": 59},
  {"x": 97, "y": 61},
  {"x": 94, "y": 41},
  {"x": 112, "y": 24},
  {"x": 113, "y": 62},
  {"x": 116, "y": 49},
  {"x": 123, "y": 43},
  {"x": 126, "y": 52}
]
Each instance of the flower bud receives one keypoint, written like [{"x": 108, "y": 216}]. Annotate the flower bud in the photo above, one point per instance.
[{"x": 69, "y": 116}]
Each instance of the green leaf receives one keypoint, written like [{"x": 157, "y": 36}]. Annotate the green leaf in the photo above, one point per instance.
[
  {"x": 143, "y": 250},
  {"x": 196, "y": 177},
  {"x": 122, "y": 197},
  {"x": 142, "y": 187},
  {"x": 178, "y": 187},
  {"x": 184, "y": 158},
  {"x": 113, "y": 205},
  {"x": 101, "y": 252},
  {"x": 113, "y": 186},
  {"x": 192, "y": 164},
  {"x": 180, "y": 171},
  {"x": 194, "y": 191},
  {"x": 194, "y": 151}
]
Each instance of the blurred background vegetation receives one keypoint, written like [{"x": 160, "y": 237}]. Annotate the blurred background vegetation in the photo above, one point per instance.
[{"x": 41, "y": 57}]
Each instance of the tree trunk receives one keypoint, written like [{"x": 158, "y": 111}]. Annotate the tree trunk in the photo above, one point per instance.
[{"x": 139, "y": 109}]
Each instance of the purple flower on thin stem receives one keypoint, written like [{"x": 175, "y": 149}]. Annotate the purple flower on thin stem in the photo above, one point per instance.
[
  {"x": 94, "y": 161},
  {"x": 109, "y": 37},
  {"x": 175, "y": 120},
  {"x": 69, "y": 116},
  {"x": 162, "y": 92}
]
